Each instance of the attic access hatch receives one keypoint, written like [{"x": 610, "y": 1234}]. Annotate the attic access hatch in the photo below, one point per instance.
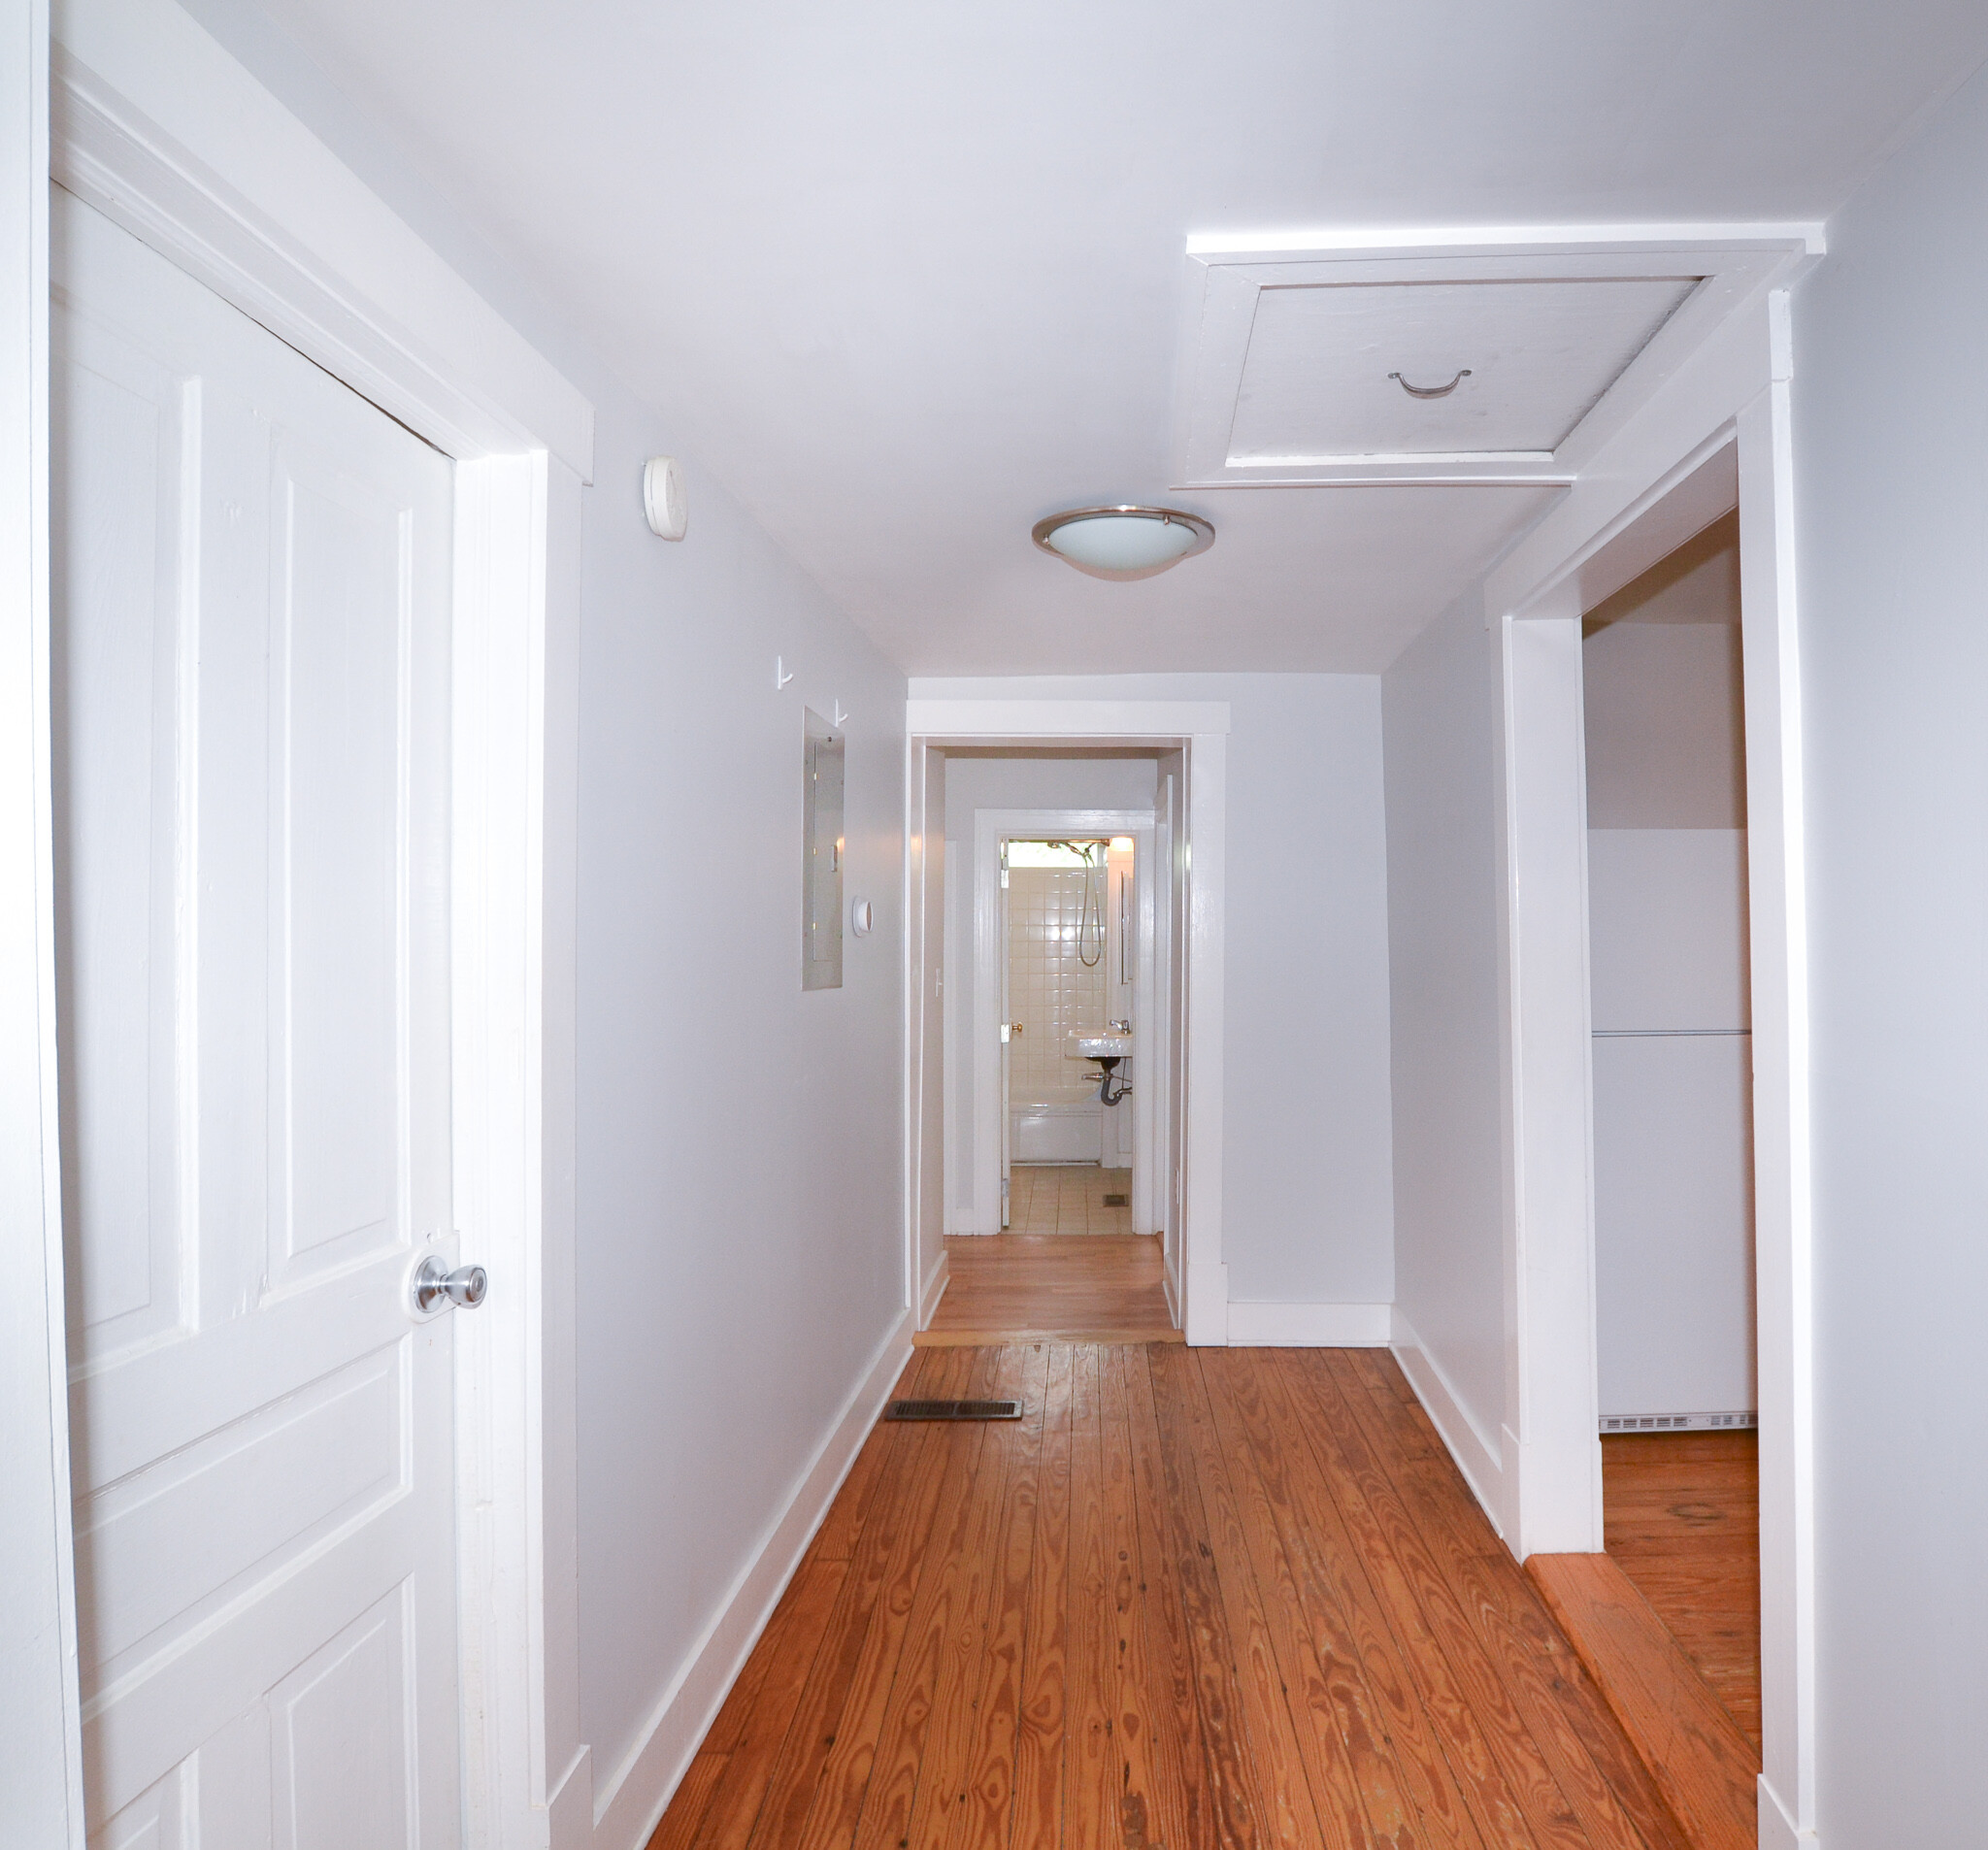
[{"x": 1446, "y": 362}]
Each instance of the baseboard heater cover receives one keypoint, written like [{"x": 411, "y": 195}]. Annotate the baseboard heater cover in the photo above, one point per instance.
[
  {"x": 1675, "y": 1422},
  {"x": 954, "y": 1410}
]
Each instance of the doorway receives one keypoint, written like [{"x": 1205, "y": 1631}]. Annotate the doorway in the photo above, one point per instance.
[
  {"x": 1669, "y": 481},
  {"x": 1064, "y": 1020},
  {"x": 1663, "y": 708},
  {"x": 1057, "y": 914},
  {"x": 1074, "y": 951}
]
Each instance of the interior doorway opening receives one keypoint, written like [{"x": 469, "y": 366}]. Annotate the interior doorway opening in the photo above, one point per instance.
[
  {"x": 1676, "y": 1355},
  {"x": 1049, "y": 990},
  {"x": 1071, "y": 956},
  {"x": 1049, "y": 1045}
]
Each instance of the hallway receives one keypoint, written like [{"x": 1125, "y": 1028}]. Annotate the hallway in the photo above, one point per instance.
[{"x": 1194, "y": 1597}]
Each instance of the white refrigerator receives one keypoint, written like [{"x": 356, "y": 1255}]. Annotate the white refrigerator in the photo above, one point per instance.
[{"x": 1672, "y": 1128}]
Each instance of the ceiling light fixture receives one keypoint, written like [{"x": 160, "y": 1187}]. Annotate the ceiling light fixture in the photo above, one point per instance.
[{"x": 1122, "y": 543}]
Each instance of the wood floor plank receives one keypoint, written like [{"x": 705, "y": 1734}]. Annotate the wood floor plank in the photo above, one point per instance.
[
  {"x": 940, "y": 1604},
  {"x": 844, "y": 1774},
  {"x": 1353, "y": 1772},
  {"x": 1532, "y": 1749},
  {"x": 851, "y": 1507},
  {"x": 983, "y": 1816},
  {"x": 1236, "y": 1811},
  {"x": 1505, "y": 1600},
  {"x": 688, "y": 1803},
  {"x": 1153, "y": 1807},
  {"x": 946, "y": 1767},
  {"x": 1403, "y": 1578},
  {"x": 1090, "y": 1795},
  {"x": 1290, "y": 1814},
  {"x": 1682, "y": 1515},
  {"x": 1316, "y": 1538},
  {"x": 1706, "y": 1769},
  {"x": 1170, "y": 1660},
  {"x": 1036, "y": 1822},
  {"x": 1594, "y": 1764},
  {"x": 734, "y": 1807},
  {"x": 897, "y": 1506}
]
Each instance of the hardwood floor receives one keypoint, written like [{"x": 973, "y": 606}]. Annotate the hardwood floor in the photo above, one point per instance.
[
  {"x": 1025, "y": 1287},
  {"x": 1195, "y": 1598},
  {"x": 1707, "y": 1770},
  {"x": 1681, "y": 1514}
]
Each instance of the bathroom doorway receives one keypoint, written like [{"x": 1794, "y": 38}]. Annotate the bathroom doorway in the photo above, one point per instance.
[
  {"x": 1069, "y": 922},
  {"x": 1051, "y": 967}
]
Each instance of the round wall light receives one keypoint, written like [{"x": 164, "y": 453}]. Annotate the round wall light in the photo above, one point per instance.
[{"x": 1121, "y": 543}]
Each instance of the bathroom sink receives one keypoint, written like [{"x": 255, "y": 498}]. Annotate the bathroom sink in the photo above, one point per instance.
[{"x": 1097, "y": 1046}]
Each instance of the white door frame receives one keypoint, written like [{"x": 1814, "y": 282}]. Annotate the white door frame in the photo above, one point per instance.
[
  {"x": 1720, "y": 425},
  {"x": 1199, "y": 1291},
  {"x": 991, "y": 828},
  {"x": 151, "y": 123},
  {"x": 41, "y": 1733}
]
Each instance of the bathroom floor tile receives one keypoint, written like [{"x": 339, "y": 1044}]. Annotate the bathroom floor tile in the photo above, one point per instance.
[{"x": 1067, "y": 1198}]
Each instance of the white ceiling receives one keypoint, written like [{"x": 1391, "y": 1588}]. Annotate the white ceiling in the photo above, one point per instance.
[{"x": 906, "y": 274}]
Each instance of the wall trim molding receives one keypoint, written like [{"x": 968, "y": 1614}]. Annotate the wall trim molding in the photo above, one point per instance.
[
  {"x": 935, "y": 1289},
  {"x": 634, "y": 1797},
  {"x": 1309, "y": 1325},
  {"x": 1778, "y": 1830},
  {"x": 1478, "y": 1459},
  {"x": 159, "y": 128}
]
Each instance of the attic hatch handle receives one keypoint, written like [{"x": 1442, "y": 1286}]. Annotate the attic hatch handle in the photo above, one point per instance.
[{"x": 1431, "y": 391}]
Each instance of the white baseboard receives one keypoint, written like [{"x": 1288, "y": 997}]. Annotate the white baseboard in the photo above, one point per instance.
[
  {"x": 1311, "y": 1326},
  {"x": 570, "y": 1811},
  {"x": 935, "y": 1289},
  {"x": 632, "y": 1803},
  {"x": 1778, "y": 1830},
  {"x": 1170, "y": 1283},
  {"x": 1476, "y": 1457}
]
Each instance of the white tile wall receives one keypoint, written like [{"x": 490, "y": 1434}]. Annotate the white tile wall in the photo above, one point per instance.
[{"x": 1050, "y": 991}]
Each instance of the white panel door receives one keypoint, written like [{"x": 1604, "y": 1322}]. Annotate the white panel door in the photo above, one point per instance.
[{"x": 250, "y": 704}]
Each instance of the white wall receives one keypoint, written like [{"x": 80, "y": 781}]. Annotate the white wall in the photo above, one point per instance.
[
  {"x": 1891, "y": 509},
  {"x": 1308, "y": 1207},
  {"x": 740, "y": 1162},
  {"x": 1444, "y": 935},
  {"x": 1665, "y": 734},
  {"x": 1003, "y": 780}
]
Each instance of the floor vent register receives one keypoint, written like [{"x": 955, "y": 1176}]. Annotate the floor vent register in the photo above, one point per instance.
[{"x": 954, "y": 1410}]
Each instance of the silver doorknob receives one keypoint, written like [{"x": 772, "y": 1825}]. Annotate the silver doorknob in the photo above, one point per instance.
[{"x": 434, "y": 1283}]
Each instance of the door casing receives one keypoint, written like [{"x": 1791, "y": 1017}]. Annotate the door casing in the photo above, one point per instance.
[
  {"x": 1720, "y": 426},
  {"x": 1197, "y": 1279}
]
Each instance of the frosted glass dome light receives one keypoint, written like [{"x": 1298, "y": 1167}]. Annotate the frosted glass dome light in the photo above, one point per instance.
[{"x": 1122, "y": 543}]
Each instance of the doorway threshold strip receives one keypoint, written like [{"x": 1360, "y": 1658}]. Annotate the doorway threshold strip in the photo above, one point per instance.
[{"x": 954, "y": 1410}]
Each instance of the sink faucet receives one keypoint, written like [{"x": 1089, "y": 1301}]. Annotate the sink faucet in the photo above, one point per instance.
[{"x": 1119, "y": 1027}]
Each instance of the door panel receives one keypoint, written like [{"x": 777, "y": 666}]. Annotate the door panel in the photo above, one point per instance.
[{"x": 251, "y": 700}]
